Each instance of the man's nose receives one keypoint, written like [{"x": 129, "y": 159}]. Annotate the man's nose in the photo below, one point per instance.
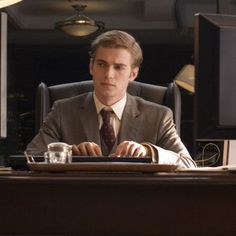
[{"x": 110, "y": 72}]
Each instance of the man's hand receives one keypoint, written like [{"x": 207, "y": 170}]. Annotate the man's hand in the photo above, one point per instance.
[
  {"x": 86, "y": 149},
  {"x": 131, "y": 149}
]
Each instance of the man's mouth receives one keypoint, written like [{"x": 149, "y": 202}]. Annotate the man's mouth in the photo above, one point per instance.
[{"x": 108, "y": 84}]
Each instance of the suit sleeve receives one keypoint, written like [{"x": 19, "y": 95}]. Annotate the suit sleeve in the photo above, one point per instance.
[{"x": 170, "y": 149}]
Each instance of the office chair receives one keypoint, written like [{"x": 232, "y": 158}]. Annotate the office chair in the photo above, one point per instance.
[{"x": 168, "y": 96}]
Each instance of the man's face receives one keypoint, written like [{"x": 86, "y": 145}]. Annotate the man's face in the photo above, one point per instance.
[{"x": 111, "y": 70}]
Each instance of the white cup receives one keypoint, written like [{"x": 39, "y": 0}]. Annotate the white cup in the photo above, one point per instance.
[{"x": 58, "y": 153}]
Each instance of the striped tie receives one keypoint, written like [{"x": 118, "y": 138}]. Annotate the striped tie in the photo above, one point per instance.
[{"x": 107, "y": 131}]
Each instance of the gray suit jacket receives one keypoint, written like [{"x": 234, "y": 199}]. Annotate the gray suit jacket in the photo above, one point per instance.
[{"x": 74, "y": 120}]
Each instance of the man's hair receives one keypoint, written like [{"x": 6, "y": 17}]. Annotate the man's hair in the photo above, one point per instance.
[{"x": 118, "y": 39}]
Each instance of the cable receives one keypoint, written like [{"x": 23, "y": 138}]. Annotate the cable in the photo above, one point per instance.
[{"x": 203, "y": 158}]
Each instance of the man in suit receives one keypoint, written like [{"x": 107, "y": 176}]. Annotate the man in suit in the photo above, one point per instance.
[{"x": 138, "y": 127}]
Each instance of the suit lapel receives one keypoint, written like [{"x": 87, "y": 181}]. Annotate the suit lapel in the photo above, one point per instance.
[
  {"x": 131, "y": 121},
  {"x": 89, "y": 119}
]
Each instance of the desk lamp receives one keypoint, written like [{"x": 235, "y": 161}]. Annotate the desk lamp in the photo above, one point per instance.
[
  {"x": 6, "y": 3},
  {"x": 185, "y": 78}
]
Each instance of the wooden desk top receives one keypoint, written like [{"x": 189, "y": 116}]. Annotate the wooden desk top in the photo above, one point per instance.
[{"x": 127, "y": 204}]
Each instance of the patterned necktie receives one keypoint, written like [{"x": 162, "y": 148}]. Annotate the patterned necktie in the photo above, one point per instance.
[{"x": 107, "y": 131}]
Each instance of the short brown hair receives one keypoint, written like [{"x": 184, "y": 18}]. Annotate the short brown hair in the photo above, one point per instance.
[{"x": 118, "y": 39}]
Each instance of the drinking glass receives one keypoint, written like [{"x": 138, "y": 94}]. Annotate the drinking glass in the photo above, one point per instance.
[{"x": 58, "y": 152}]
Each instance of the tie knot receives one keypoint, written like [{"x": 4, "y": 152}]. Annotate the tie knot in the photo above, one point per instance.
[{"x": 105, "y": 115}]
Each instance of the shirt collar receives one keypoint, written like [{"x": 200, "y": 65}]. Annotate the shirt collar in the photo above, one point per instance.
[{"x": 117, "y": 108}]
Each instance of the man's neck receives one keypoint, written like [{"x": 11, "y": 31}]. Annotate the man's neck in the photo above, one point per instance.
[
  {"x": 109, "y": 101},
  {"x": 117, "y": 107}
]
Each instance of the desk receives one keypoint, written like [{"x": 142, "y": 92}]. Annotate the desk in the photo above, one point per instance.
[{"x": 117, "y": 204}]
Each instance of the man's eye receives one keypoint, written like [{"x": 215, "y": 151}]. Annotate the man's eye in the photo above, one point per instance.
[
  {"x": 119, "y": 67},
  {"x": 101, "y": 64}
]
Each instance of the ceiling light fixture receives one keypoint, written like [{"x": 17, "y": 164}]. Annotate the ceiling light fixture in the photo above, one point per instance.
[
  {"x": 78, "y": 24},
  {"x": 6, "y": 3}
]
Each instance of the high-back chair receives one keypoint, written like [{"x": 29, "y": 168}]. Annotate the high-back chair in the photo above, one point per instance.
[{"x": 46, "y": 96}]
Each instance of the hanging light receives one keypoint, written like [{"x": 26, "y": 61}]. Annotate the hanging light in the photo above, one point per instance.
[
  {"x": 78, "y": 24},
  {"x": 6, "y": 3}
]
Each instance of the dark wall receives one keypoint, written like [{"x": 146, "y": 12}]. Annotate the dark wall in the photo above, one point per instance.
[{"x": 28, "y": 65}]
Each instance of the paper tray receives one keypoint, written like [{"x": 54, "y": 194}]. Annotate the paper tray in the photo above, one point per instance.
[{"x": 101, "y": 166}]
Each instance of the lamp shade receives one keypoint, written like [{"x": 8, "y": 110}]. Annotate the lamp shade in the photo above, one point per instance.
[
  {"x": 185, "y": 78},
  {"x": 6, "y": 3},
  {"x": 79, "y": 30}
]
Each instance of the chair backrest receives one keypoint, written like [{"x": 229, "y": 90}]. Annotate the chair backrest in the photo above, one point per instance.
[{"x": 46, "y": 96}]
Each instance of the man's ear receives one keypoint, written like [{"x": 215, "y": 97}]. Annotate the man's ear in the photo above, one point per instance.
[
  {"x": 91, "y": 66},
  {"x": 134, "y": 73}
]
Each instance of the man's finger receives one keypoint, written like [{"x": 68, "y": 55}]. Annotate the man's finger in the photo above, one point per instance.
[{"x": 75, "y": 150}]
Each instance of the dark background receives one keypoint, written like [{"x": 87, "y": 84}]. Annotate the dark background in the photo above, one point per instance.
[{"x": 28, "y": 65}]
